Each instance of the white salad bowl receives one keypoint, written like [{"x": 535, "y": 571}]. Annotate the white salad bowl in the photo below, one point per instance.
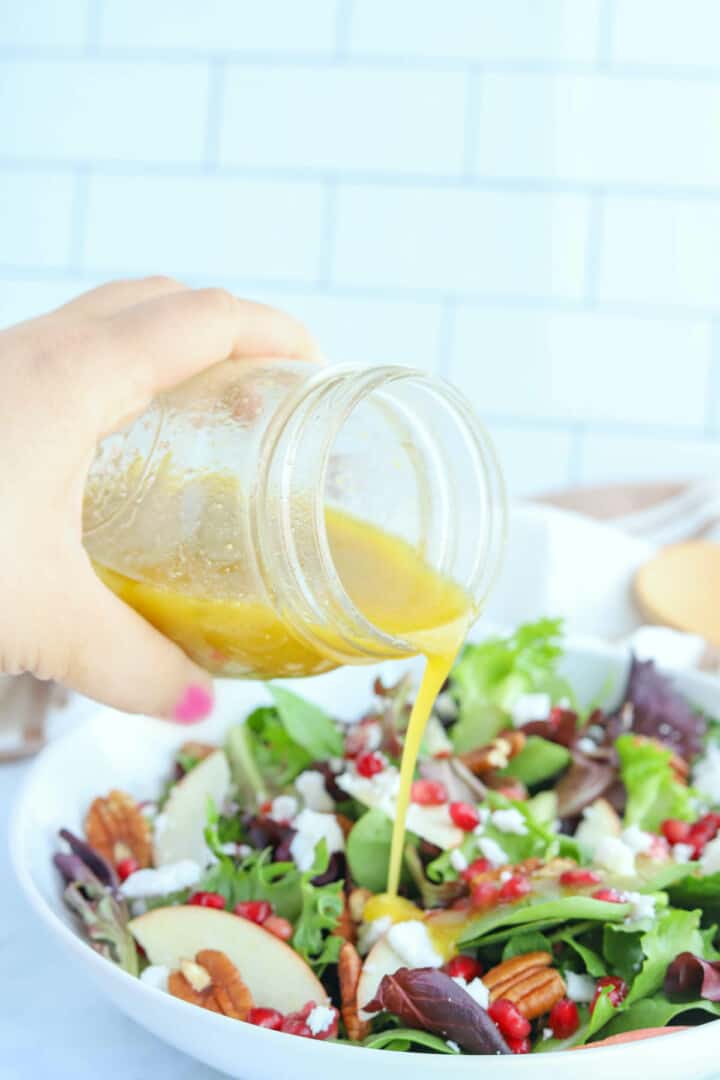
[{"x": 115, "y": 750}]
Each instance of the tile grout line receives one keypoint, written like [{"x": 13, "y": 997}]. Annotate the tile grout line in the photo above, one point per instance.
[{"x": 94, "y": 28}]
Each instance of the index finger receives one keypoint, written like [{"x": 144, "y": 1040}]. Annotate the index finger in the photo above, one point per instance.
[{"x": 159, "y": 343}]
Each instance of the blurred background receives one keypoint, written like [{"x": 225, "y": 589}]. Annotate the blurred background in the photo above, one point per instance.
[{"x": 523, "y": 195}]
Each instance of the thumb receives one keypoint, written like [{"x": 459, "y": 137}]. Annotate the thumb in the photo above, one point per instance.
[{"x": 115, "y": 656}]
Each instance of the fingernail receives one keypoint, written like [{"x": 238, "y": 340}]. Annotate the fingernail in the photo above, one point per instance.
[{"x": 195, "y": 704}]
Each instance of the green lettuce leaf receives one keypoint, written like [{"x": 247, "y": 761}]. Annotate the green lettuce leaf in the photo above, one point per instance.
[
  {"x": 526, "y": 913},
  {"x": 532, "y": 941},
  {"x": 402, "y": 1039},
  {"x": 692, "y": 891},
  {"x": 320, "y": 911},
  {"x": 653, "y": 792},
  {"x": 592, "y": 962},
  {"x": 489, "y": 677},
  {"x": 673, "y": 932},
  {"x": 308, "y": 725},
  {"x": 277, "y": 756},
  {"x": 657, "y": 1011}
]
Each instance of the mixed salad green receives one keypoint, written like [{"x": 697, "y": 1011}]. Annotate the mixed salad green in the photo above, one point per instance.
[{"x": 561, "y": 880}]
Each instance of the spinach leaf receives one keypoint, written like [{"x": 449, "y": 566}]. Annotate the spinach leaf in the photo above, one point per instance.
[
  {"x": 404, "y": 1038},
  {"x": 308, "y": 725},
  {"x": 519, "y": 944},
  {"x": 368, "y": 850},
  {"x": 564, "y": 909},
  {"x": 539, "y": 760},
  {"x": 591, "y": 960}
]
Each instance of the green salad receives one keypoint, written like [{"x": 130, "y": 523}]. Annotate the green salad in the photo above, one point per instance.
[{"x": 561, "y": 878}]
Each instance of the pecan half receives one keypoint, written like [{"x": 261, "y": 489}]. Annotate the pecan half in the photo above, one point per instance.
[
  {"x": 116, "y": 827},
  {"x": 528, "y": 981},
  {"x": 349, "y": 968},
  {"x": 213, "y": 982},
  {"x": 346, "y": 926},
  {"x": 496, "y": 755},
  {"x": 197, "y": 750}
]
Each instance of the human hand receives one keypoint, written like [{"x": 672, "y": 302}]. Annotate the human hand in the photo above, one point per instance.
[{"x": 67, "y": 380}]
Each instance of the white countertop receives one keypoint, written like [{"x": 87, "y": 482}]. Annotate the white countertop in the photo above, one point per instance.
[{"x": 53, "y": 1026}]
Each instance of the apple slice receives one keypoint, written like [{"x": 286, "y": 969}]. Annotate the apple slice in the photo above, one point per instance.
[
  {"x": 599, "y": 820},
  {"x": 181, "y": 835},
  {"x": 277, "y": 977},
  {"x": 381, "y": 960}
]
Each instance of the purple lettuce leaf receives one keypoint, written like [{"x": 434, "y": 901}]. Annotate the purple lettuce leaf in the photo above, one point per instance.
[
  {"x": 429, "y": 1000},
  {"x": 692, "y": 977},
  {"x": 92, "y": 859},
  {"x": 652, "y": 706}
]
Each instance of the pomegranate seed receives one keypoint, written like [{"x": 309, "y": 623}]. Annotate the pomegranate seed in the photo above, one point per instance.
[
  {"x": 464, "y": 815},
  {"x": 369, "y": 764},
  {"x": 484, "y": 894},
  {"x": 674, "y": 831},
  {"x": 518, "y": 1046},
  {"x": 579, "y": 878},
  {"x": 428, "y": 793},
  {"x": 479, "y": 866},
  {"x": 564, "y": 1019},
  {"x": 515, "y": 888},
  {"x": 509, "y": 1019},
  {"x": 267, "y": 1018},
  {"x": 464, "y": 967},
  {"x": 617, "y": 994},
  {"x": 701, "y": 833},
  {"x": 610, "y": 896},
  {"x": 126, "y": 867},
  {"x": 208, "y": 899},
  {"x": 279, "y": 927},
  {"x": 296, "y": 1026},
  {"x": 256, "y": 911}
]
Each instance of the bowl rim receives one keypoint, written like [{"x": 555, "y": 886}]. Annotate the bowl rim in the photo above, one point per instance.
[{"x": 328, "y": 1052}]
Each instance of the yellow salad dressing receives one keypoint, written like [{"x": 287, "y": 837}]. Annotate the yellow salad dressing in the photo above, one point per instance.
[{"x": 206, "y": 613}]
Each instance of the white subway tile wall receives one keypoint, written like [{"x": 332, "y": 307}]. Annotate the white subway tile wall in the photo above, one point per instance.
[{"x": 521, "y": 196}]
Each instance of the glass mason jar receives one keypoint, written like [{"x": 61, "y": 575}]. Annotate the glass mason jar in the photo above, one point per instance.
[{"x": 276, "y": 518}]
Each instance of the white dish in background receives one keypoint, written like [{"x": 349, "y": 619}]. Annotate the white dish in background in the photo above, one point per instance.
[{"x": 116, "y": 750}]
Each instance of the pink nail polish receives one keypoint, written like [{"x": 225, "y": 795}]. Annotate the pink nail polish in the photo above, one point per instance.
[{"x": 195, "y": 704}]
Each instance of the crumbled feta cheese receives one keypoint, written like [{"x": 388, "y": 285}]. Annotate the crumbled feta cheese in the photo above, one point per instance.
[
  {"x": 371, "y": 932},
  {"x": 283, "y": 809},
  {"x": 710, "y": 858},
  {"x": 312, "y": 827},
  {"x": 706, "y": 774},
  {"x": 483, "y": 817},
  {"x": 642, "y": 906},
  {"x": 445, "y": 706},
  {"x": 547, "y": 1033},
  {"x": 156, "y": 976},
  {"x": 230, "y": 848},
  {"x": 310, "y": 785},
  {"x": 683, "y": 853},
  {"x": 138, "y": 908},
  {"x": 529, "y": 707},
  {"x": 375, "y": 791},
  {"x": 149, "y": 810},
  {"x": 613, "y": 855},
  {"x": 639, "y": 841},
  {"x": 505, "y": 876},
  {"x": 435, "y": 740},
  {"x": 580, "y": 988},
  {"x": 492, "y": 851},
  {"x": 411, "y": 941},
  {"x": 458, "y": 860},
  {"x": 510, "y": 821},
  {"x": 452, "y": 1046},
  {"x": 320, "y": 1019},
  {"x": 476, "y": 988},
  {"x": 586, "y": 745},
  {"x": 166, "y": 879},
  {"x": 668, "y": 648}
]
